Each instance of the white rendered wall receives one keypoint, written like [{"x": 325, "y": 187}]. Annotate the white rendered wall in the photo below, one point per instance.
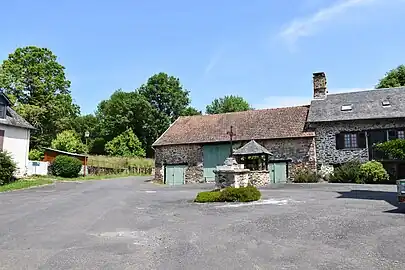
[{"x": 17, "y": 142}]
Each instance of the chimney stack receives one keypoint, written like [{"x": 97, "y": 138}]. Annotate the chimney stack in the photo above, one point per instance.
[{"x": 320, "y": 90}]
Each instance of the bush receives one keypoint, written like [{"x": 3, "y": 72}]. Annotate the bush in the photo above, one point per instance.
[
  {"x": 347, "y": 173},
  {"x": 35, "y": 155},
  {"x": 373, "y": 172},
  {"x": 394, "y": 149},
  {"x": 208, "y": 196},
  {"x": 230, "y": 194},
  {"x": 306, "y": 176},
  {"x": 7, "y": 168},
  {"x": 66, "y": 166}
]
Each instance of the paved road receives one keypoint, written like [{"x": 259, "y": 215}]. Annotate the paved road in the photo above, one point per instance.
[{"x": 130, "y": 224}]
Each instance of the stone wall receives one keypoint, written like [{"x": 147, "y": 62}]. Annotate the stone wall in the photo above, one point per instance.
[
  {"x": 301, "y": 152},
  {"x": 326, "y": 152},
  {"x": 190, "y": 155},
  {"x": 259, "y": 178}
]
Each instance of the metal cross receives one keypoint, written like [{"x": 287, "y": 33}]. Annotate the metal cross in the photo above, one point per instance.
[{"x": 231, "y": 134}]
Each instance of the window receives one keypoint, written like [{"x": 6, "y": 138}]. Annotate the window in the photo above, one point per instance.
[
  {"x": 2, "y": 111},
  {"x": 386, "y": 103},
  {"x": 401, "y": 134},
  {"x": 350, "y": 140},
  {"x": 346, "y": 107}
]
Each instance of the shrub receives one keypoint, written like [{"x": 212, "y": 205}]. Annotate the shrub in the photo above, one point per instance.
[
  {"x": 35, "y": 155},
  {"x": 347, "y": 173},
  {"x": 66, "y": 166},
  {"x": 373, "y": 172},
  {"x": 208, "y": 196},
  {"x": 242, "y": 194},
  {"x": 230, "y": 194},
  {"x": 7, "y": 168},
  {"x": 306, "y": 176},
  {"x": 395, "y": 149}
]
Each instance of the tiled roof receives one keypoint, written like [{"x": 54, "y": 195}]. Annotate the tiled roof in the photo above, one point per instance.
[
  {"x": 251, "y": 148},
  {"x": 13, "y": 118},
  {"x": 248, "y": 125},
  {"x": 361, "y": 105}
]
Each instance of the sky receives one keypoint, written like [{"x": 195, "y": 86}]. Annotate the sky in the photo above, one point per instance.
[{"x": 262, "y": 50}]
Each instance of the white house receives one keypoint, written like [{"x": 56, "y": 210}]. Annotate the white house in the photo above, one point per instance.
[{"x": 14, "y": 134}]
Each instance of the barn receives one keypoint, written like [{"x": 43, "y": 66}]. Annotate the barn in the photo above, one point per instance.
[{"x": 191, "y": 148}]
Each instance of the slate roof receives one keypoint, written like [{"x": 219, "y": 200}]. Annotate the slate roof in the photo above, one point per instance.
[
  {"x": 365, "y": 105},
  {"x": 251, "y": 148},
  {"x": 248, "y": 125},
  {"x": 13, "y": 118}
]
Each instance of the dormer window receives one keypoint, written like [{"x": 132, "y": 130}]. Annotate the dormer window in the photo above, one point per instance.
[
  {"x": 346, "y": 108},
  {"x": 386, "y": 103},
  {"x": 2, "y": 110}
]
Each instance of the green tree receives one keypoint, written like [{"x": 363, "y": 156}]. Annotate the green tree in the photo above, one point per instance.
[
  {"x": 190, "y": 111},
  {"x": 393, "y": 78},
  {"x": 125, "y": 144},
  {"x": 69, "y": 141},
  {"x": 168, "y": 99},
  {"x": 33, "y": 78},
  {"x": 228, "y": 104},
  {"x": 124, "y": 110}
]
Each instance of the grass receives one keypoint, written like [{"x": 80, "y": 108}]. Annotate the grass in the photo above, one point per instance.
[
  {"x": 120, "y": 162},
  {"x": 94, "y": 177},
  {"x": 25, "y": 183}
]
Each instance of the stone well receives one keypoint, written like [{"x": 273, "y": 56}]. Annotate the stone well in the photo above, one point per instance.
[{"x": 232, "y": 174}]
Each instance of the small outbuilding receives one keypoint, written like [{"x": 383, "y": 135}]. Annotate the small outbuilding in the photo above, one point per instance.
[{"x": 50, "y": 154}]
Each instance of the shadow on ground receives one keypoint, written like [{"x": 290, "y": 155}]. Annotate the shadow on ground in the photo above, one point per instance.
[{"x": 389, "y": 197}]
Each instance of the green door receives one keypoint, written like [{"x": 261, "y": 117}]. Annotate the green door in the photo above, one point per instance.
[
  {"x": 174, "y": 175},
  {"x": 278, "y": 172},
  {"x": 213, "y": 156}
]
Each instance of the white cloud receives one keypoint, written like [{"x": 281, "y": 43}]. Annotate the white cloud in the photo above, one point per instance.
[
  {"x": 304, "y": 27},
  {"x": 289, "y": 101}
]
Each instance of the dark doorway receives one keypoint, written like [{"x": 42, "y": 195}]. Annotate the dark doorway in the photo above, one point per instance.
[{"x": 374, "y": 137}]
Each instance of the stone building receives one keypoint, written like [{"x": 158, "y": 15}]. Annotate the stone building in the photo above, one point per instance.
[
  {"x": 191, "y": 148},
  {"x": 347, "y": 125}
]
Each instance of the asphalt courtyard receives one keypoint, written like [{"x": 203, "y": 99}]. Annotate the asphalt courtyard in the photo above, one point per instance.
[{"x": 131, "y": 224}]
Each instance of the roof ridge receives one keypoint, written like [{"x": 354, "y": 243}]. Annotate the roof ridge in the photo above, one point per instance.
[
  {"x": 241, "y": 112},
  {"x": 367, "y": 90}
]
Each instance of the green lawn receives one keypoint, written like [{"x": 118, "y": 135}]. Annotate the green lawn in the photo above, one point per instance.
[
  {"x": 43, "y": 180},
  {"x": 25, "y": 183},
  {"x": 93, "y": 177}
]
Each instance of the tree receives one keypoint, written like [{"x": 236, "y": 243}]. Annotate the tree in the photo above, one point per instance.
[
  {"x": 124, "y": 110},
  {"x": 190, "y": 111},
  {"x": 393, "y": 78},
  {"x": 228, "y": 104},
  {"x": 125, "y": 144},
  {"x": 168, "y": 100},
  {"x": 33, "y": 78},
  {"x": 69, "y": 141}
]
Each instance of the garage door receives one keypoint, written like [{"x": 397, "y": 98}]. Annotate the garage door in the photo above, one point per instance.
[
  {"x": 174, "y": 174},
  {"x": 278, "y": 172},
  {"x": 214, "y": 155}
]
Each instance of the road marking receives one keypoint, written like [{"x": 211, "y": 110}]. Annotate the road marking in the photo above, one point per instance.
[
  {"x": 263, "y": 202},
  {"x": 150, "y": 191}
]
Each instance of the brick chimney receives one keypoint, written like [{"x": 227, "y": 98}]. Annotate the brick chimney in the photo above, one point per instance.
[{"x": 320, "y": 90}]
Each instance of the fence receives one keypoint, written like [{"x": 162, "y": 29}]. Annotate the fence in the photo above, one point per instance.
[{"x": 37, "y": 168}]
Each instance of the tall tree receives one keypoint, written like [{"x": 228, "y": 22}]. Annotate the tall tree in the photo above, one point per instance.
[
  {"x": 124, "y": 110},
  {"x": 125, "y": 144},
  {"x": 33, "y": 78},
  {"x": 69, "y": 141},
  {"x": 168, "y": 99},
  {"x": 393, "y": 78},
  {"x": 228, "y": 104}
]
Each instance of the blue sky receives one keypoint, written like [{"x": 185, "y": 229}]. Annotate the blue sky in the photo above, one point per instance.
[{"x": 265, "y": 51}]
